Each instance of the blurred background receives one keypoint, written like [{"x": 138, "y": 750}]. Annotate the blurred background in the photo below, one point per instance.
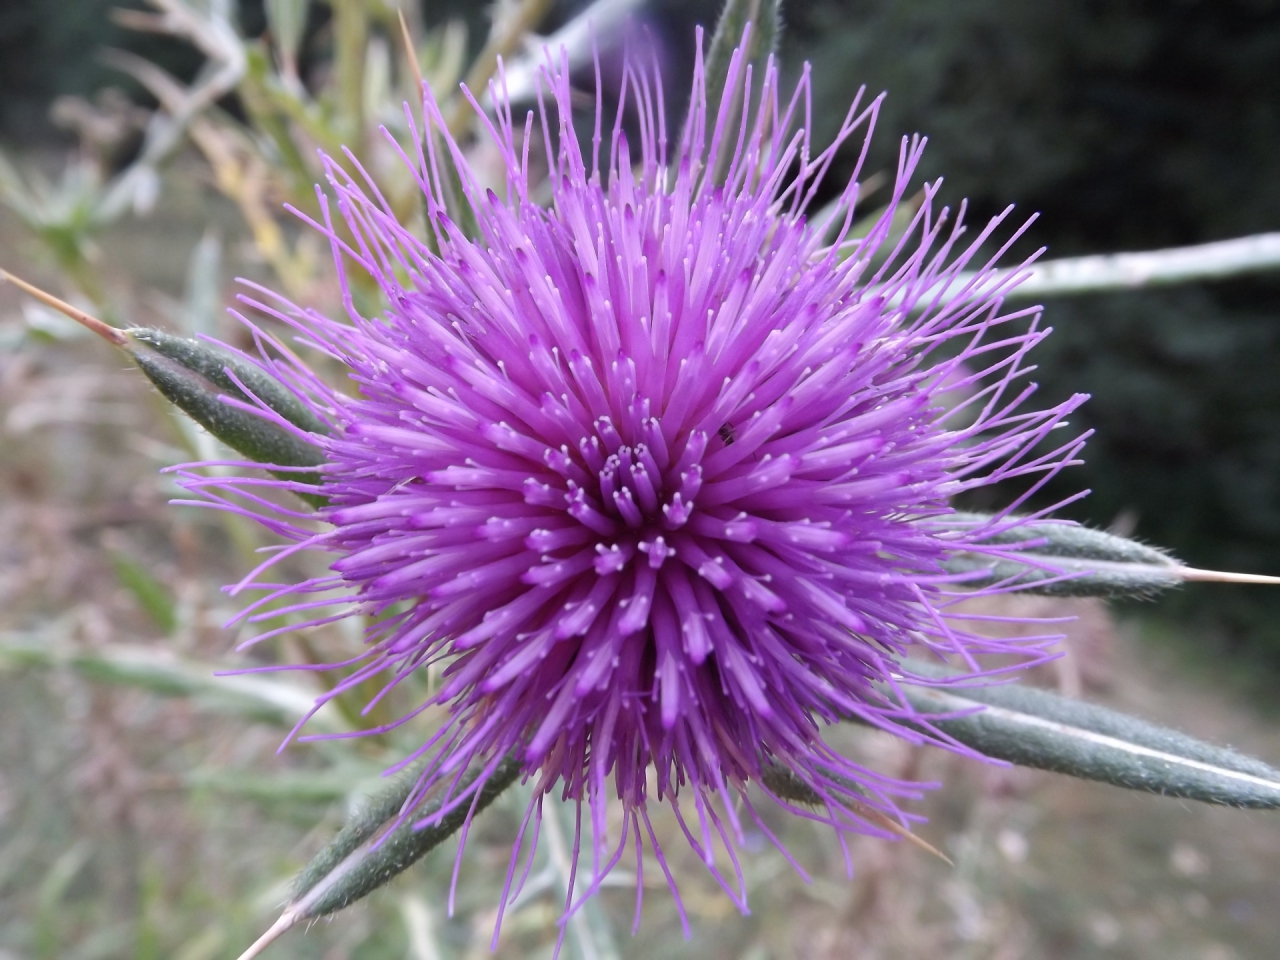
[{"x": 143, "y": 811}]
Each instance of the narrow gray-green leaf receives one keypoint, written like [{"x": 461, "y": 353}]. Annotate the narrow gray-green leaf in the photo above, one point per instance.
[
  {"x": 296, "y": 786},
  {"x": 766, "y": 28},
  {"x": 152, "y": 595},
  {"x": 195, "y": 376},
  {"x": 1035, "y": 728},
  {"x": 785, "y": 784},
  {"x": 288, "y": 21},
  {"x": 202, "y": 298},
  {"x": 365, "y": 856},
  {"x": 361, "y": 858},
  {"x": 457, "y": 206},
  {"x": 161, "y": 672}
]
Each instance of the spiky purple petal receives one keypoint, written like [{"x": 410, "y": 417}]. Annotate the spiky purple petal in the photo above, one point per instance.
[{"x": 661, "y": 473}]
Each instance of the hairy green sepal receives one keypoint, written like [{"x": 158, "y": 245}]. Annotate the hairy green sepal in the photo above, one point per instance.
[
  {"x": 362, "y": 857},
  {"x": 1055, "y": 558},
  {"x": 195, "y": 376}
]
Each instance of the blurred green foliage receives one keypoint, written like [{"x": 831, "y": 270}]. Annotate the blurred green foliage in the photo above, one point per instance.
[{"x": 50, "y": 48}]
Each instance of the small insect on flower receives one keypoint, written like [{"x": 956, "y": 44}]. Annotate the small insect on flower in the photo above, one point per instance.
[{"x": 533, "y": 480}]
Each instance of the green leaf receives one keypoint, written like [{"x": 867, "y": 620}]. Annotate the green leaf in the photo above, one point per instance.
[
  {"x": 457, "y": 205},
  {"x": 1059, "y": 558},
  {"x": 766, "y": 29},
  {"x": 202, "y": 298},
  {"x": 287, "y": 20},
  {"x": 764, "y": 16},
  {"x": 152, "y": 595},
  {"x": 1035, "y": 728},
  {"x": 350, "y": 46},
  {"x": 589, "y": 930},
  {"x": 304, "y": 786},
  {"x": 49, "y": 919},
  {"x": 362, "y": 857},
  {"x": 158, "y": 671},
  {"x": 264, "y": 97}
]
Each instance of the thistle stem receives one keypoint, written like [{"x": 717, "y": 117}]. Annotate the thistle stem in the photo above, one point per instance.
[
  {"x": 504, "y": 39},
  {"x": 1104, "y": 273}
]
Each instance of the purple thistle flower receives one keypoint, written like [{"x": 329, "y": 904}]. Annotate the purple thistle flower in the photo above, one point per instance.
[{"x": 660, "y": 472}]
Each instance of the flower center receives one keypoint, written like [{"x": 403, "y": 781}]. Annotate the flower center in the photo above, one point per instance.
[{"x": 640, "y": 494}]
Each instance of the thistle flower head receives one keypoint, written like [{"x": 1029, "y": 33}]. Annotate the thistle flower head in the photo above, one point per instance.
[{"x": 660, "y": 472}]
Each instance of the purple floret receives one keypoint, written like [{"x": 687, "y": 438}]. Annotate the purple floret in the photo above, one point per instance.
[{"x": 661, "y": 473}]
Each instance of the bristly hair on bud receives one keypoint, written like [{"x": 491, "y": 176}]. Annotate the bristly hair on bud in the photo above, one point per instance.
[{"x": 660, "y": 473}]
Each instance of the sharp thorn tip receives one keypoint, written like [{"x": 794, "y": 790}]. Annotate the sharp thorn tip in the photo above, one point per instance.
[
  {"x": 86, "y": 320},
  {"x": 286, "y": 920},
  {"x": 1224, "y": 576}
]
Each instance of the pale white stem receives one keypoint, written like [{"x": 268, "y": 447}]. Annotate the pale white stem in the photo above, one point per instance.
[
  {"x": 575, "y": 38},
  {"x": 1130, "y": 271}
]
